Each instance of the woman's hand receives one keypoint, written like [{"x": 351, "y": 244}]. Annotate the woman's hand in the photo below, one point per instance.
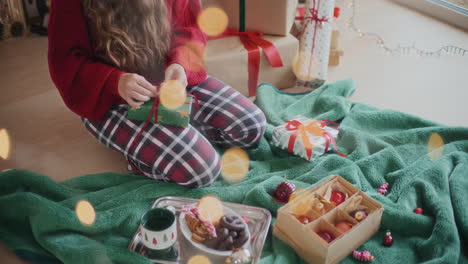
[
  {"x": 176, "y": 72},
  {"x": 135, "y": 89}
]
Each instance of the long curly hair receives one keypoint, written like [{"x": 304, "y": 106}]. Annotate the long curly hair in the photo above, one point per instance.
[{"x": 133, "y": 35}]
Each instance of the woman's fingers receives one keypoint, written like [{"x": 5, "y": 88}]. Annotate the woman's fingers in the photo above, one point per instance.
[
  {"x": 143, "y": 91},
  {"x": 139, "y": 97},
  {"x": 141, "y": 81},
  {"x": 133, "y": 103}
]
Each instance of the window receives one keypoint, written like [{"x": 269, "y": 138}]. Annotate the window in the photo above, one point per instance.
[{"x": 452, "y": 11}]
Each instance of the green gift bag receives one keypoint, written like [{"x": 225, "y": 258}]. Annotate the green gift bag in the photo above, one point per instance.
[{"x": 179, "y": 117}]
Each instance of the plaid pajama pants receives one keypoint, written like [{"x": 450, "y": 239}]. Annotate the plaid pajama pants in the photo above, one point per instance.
[{"x": 185, "y": 155}]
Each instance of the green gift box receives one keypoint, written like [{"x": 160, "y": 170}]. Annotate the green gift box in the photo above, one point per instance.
[{"x": 179, "y": 117}]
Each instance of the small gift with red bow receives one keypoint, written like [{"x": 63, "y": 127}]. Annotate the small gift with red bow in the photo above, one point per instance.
[{"x": 307, "y": 138}]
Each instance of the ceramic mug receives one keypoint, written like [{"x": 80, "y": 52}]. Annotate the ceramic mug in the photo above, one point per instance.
[{"x": 158, "y": 229}]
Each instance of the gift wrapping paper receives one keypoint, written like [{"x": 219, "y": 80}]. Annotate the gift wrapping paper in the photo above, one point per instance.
[
  {"x": 273, "y": 17},
  {"x": 281, "y": 138},
  {"x": 314, "y": 49},
  {"x": 179, "y": 117},
  {"x": 227, "y": 60}
]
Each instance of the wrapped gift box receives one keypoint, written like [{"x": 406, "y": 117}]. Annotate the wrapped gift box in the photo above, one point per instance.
[
  {"x": 273, "y": 17},
  {"x": 315, "y": 41},
  {"x": 179, "y": 117},
  {"x": 304, "y": 238},
  {"x": 314, "y": 132},
  {"x": 227, "y": 60}
]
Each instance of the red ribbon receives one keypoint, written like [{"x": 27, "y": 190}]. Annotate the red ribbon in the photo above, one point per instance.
[
  {"x": 294, "y": 125},
  {"x": 301, "y": 11},
  {"x": 153, "y": 112},
  {"x": 252, "y": 40}
]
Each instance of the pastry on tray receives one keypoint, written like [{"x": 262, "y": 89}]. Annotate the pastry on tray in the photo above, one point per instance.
[{"x": 214, "y": 226}]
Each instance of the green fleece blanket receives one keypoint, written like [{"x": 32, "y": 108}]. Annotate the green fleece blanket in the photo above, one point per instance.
[{"x": 38, "y": 221}]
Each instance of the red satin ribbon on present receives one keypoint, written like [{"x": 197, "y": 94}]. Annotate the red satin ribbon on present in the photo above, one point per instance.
[
  {"x": 153, "y": 112},
  {"x": 252, "y": 40},
  {"x": 302, "y": 130}
]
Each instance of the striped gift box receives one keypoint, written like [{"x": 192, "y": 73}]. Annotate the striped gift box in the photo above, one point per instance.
[{"x": 281, "y": 139}]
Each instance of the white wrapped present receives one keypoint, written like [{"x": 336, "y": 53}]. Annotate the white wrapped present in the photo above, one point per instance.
[
  {"x": 305, "y": 137},
  {"x": 314, "y": 50}
]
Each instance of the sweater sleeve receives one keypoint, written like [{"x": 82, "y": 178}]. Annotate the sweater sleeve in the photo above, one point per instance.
[
  {"x": 89, "y": 88},
  {"x": 188, "y": 41}
]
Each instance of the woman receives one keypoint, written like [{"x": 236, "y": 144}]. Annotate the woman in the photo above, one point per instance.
[{"x": 108, "y": 55}]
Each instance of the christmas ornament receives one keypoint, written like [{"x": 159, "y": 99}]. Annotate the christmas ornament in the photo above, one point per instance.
[
  {"x": 343, "y": 226},
  {"x": 239, "y": 256},
  {"x": 359, "y": 215},
  {"x": 363, "y": 255},
  {"x": 284, "y": 191},
  {"x": 383, "y": 188},
  {"x": 304, "y": 219},
  {"x": 418, "y": 210},
  {"x": 337, "y": 198},
  {"x": 388, "y": 239},
  {"x": 327, "y": 236}
]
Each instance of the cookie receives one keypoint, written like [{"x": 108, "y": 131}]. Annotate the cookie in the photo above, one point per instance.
[{"x": 197, "y": 238}]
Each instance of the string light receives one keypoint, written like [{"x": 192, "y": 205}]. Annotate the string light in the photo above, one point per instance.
[{"x": 399, "y": 50}]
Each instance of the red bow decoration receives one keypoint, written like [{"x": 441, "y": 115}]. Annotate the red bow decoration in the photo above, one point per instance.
[
  {"x": 252, "y": 40},
  {"x": 315, "y": 128}
]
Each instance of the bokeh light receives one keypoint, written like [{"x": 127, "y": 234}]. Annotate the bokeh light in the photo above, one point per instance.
[
  {"x": 301, "y": 67},
  {"x": 5, "y": 144},
  {"x": 296, "y": 194},
  {"x": 213, "y": 21},
  {"x": 199, "y": 259},
  {"x": 234, "y": 165},
  {"x": 172, "y": 94},
  {"x": 85, "y": 212},
  {"x": 191, "y": 56},
  {"x": 211, "y": 208},
  {"x": 435, "y": 146}
]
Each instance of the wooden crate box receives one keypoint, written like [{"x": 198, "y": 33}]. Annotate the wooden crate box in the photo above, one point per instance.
[{"x": 303, "y": 238}]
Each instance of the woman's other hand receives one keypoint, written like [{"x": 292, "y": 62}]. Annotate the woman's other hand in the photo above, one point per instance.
[
  {"x": 135, "y": 89},
  {"x": 176, "y": 72}
]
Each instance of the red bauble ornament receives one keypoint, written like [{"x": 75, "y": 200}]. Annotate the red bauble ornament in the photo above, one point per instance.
[
  {"x": 343, "y": 226},
  {"x": 284, "y": 191},
  {"x": 388, "y": 239},
  {"x": 418, "y": 210},
  {"x": 304, "y": 219},
  {"x": 327, "y": 236},
  {"x": 337, "y": 198}
]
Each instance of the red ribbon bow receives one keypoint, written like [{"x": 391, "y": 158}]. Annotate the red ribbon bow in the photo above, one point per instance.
[
  {"x": 315, "y": 128},
  {"x": 252, "y": 40}
]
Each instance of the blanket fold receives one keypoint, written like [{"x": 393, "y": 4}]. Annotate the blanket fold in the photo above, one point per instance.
[{"x": 38, "y": 220}]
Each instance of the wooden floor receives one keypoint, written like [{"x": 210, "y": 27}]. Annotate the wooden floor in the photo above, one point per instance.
[{"x": 46, "y": 137}]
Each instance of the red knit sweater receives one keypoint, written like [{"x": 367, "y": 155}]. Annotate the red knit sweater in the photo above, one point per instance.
[{"x": 89, "y": 87}]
